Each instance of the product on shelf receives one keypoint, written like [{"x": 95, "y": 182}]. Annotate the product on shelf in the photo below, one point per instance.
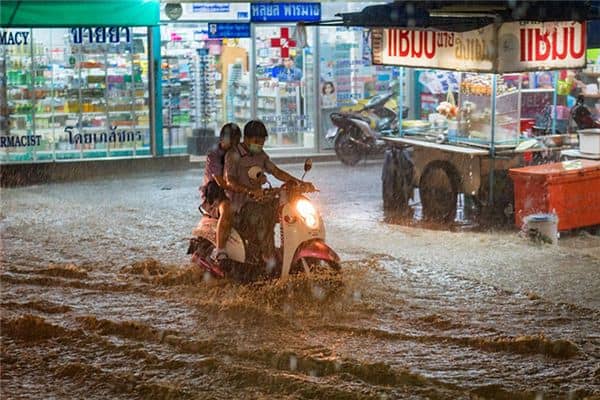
[{"x": 481, "y": 85}]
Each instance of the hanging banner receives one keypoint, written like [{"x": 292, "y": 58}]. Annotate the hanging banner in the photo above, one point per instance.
[
  {"x": 520, "y": 46},
  {"x": 541, "y": 45}
]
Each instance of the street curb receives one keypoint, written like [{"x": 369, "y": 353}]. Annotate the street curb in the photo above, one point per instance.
[
  {"x": 198, "y": 161},
  {"x": 74, "y": 170},
  {"x": 25, "y": 174}
]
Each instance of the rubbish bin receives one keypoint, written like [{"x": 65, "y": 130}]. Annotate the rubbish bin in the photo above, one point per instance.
[{"x": 589, "y": 141}]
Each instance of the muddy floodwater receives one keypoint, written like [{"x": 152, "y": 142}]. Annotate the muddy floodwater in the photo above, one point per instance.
[{"x": 99, "y": 301}]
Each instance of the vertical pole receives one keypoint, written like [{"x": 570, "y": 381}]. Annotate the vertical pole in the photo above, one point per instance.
[
  {"x": 155, "y": 92},
  {"x": 493, "y": 139},
  {"x": 131, "y": 87},
  {"x": 252, "y": 71},
  {"x": 416, "y": 93},
  {"x": 317, "y": 117},
  {"x": 31, "y": 87},
  {"x": 554, "y": 101},
  {"x": 400, "y": 98}
]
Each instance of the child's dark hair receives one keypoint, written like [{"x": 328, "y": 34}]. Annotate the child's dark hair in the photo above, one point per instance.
[
  {"x": 256, "y": 129},
  {"x": 232, "y": 130}
]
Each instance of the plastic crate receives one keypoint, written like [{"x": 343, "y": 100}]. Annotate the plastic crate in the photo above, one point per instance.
[{"x": 571, "y": 190}]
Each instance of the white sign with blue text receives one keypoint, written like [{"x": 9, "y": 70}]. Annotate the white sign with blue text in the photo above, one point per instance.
[
  {"x": 213, "y": 12},
  {"x": 286, "y": 12},
  {"x": 228, "y": 30}
]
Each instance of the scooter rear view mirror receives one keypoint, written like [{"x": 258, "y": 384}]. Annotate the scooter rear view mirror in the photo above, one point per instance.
[{"x": 307, "y": 167}]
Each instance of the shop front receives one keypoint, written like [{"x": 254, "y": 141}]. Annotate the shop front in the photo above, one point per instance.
[
  {"x": 232, "y": 62},
  {"x": 76, "y": 80}
]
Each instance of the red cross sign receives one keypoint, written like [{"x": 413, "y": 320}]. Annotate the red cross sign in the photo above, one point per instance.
[{"x": 283, "y": 42}]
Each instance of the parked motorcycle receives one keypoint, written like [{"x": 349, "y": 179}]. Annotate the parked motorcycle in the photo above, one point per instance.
[
  {"x": 357, "y": 134},
  {"x": 302, "y": 248}
]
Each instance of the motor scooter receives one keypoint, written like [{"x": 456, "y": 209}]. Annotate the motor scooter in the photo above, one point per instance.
[
  {"x": 302, "y": 247},
  {"x": 357, "y": 133}
]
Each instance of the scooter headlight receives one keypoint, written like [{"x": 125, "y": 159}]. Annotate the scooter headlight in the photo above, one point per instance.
[{"x": 308, "y": 213}]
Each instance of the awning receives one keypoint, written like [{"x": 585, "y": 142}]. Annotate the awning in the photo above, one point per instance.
[{"x": 66, "y": 13}]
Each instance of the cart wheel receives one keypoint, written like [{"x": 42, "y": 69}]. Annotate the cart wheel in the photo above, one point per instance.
[
  {"x": 438, "y": 189},
  {"x": 346, "y": 149},
  {"x": 397, "y": 181}
]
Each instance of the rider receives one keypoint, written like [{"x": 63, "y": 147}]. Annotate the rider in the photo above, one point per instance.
[
  {"x": 214, "y": 200},
  {"x": 244, "y": 191}
]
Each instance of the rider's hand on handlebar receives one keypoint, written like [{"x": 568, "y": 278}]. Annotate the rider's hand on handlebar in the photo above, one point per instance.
[
  {"x": 308, "y": 187},
  {"x": 256, "y": 194}
]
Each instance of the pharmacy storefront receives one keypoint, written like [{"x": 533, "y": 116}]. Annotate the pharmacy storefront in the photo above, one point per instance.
[
  {"x": 75, "y": 80},
  {"x": 232, "y": 62},
  {"x": 142, "y": 78}
]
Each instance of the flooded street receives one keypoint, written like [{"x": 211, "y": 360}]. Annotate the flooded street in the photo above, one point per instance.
[{"x": 99, "y": 301}]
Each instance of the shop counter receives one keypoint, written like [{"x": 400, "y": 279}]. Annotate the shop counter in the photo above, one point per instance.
[
  {"x": 570, "y": 189},
  {"x": 473, "y": 151}
]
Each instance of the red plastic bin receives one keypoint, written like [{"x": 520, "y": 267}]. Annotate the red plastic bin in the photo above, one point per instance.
[{"x": 572, "y": 194}]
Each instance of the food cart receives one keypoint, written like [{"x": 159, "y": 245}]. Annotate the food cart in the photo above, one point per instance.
[{"x": 476, "y": 136}]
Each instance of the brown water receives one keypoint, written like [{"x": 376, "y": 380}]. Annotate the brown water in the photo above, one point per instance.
[
  {"x": 162, "y": 331},
  {"x": 112, "y": 309}
]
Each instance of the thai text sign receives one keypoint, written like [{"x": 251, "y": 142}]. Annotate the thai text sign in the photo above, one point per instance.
[
  {"x": 100, "y": 34},
  {"x": 213, "y": 12},
  {"x": 228, "y": 30},
  {"x": 520, "y": 46},
  {"x": 285, "y": 12}
]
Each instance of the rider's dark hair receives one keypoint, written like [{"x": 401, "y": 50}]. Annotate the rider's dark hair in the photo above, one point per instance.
[
  {"x": 232, "y": 130},
  {"x": 256, "y": 129}
]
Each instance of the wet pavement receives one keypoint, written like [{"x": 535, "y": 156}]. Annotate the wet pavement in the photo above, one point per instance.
[{"x": 99, "y": 301}]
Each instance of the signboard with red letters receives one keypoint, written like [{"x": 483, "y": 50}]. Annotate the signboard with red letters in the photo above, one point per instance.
[{"x": 511, "y": 47}]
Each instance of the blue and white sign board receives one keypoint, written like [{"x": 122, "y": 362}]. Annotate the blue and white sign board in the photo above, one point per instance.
[
  {"x": 213, "y": 12},
  {"x": 228, "y": 30},
  {"x": 285, "y": 12}
]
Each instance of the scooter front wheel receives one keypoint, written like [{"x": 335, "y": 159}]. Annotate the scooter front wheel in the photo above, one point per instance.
[
  {"x": 348, "y": 146},
  {"x": 312, "y": 265}
]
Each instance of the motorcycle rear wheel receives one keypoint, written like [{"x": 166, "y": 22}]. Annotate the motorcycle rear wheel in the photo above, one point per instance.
[{"x": 348, "y": 152}]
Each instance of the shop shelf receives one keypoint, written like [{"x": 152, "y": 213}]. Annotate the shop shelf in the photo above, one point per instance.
[
  {"x": 537, "y": 90},
  {"x": 591, "y": 74}
]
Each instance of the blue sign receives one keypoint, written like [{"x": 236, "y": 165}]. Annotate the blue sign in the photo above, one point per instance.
[
  {"x": 228, "y": 30},
  {"x": 285, "y": 12}
]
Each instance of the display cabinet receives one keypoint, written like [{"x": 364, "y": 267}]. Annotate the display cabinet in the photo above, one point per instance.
[
  {"x": 238, "y": 95},
  {"x": 18, "y": 103},
  {"x": 72, "y": 99},
  {"x": 279, "y": 105},
  {"x": 487, "y": 115},
  {"x": 178, "y": 100}
]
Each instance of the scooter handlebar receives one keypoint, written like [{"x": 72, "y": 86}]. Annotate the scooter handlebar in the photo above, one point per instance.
[{"x": 273, "y": 193}]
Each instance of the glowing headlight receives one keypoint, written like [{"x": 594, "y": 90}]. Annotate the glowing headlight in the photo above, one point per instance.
[{"x": 308, "y": 213}]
